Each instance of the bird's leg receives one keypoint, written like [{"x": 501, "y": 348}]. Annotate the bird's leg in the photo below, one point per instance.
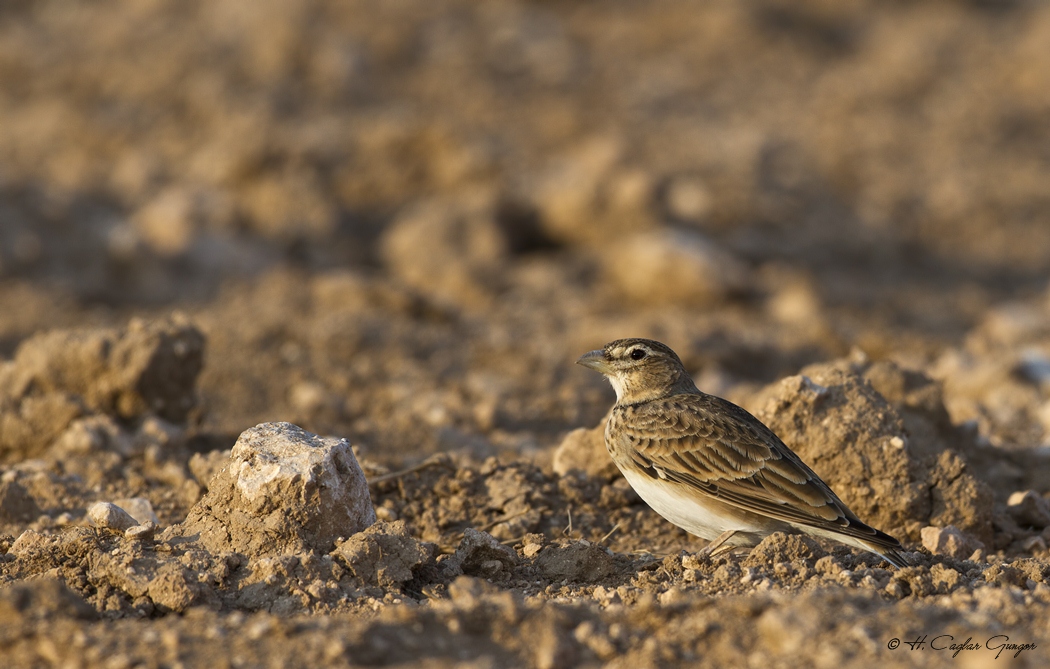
[
  {"x": 710, "y": 548},
  {"x": 723, "y": 549}
]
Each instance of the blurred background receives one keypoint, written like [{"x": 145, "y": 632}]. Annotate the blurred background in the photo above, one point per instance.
[{"x": 401, "y": 221}]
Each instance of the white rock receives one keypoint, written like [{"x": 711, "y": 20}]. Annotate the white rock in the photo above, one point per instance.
[
  {"x": 110, "y": 516},
  {"x": 143, "y": 532},
  {"x": 26, "y": 543},
  {"x": 1029, "y": 508},
  {"x": 284, "y": 490},
  {"x": 138, "y": 508},
  {"x": 673, "y": 266},
  {"x": 949, "y": 541},
  {"x": 688, "y": 199}
]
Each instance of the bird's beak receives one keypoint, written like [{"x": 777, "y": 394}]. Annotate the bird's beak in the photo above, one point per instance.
[{"x": 595, "y": 360}]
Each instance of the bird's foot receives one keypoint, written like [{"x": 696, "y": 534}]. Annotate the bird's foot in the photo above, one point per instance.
[{"x": 717, "y": 547}]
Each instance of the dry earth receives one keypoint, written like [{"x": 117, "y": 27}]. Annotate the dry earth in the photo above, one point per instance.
[{"x": 395, "y": 225}]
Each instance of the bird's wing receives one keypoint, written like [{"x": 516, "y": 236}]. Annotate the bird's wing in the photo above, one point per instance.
[{"x": 719, "y": 449}]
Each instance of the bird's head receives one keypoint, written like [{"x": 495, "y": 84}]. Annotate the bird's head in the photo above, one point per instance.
[{"x": 639, "y": 369}]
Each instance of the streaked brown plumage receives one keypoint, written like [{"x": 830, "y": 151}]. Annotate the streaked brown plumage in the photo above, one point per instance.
[{"x": 708, "y": 465}]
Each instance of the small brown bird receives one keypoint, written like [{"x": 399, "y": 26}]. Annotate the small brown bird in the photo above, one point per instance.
[{"x": 709, "y": 466}]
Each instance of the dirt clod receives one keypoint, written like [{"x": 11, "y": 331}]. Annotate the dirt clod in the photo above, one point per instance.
[
  {"x": 39, "y": 600},
  {"x": 465, "y": 230},
  {"x": 146, "y": 367},
  {"x": 580, "y": 561},
  {"x": 1029, "y": 508},
  {"x": 949, "y": 541},
  {"x": 780, "y": 547},
  {"x": 385, "y": 554},
  {"x": 584, "y": 449},
  {"x": 676, "y": 267},
  {"x": 858, "y": 443},
  {"x": 282, "y": 491},
  {"x": 480, "y": 553},
  {"x": 16, "y": 504}
]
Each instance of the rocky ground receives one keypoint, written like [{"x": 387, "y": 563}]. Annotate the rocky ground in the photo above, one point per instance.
[{"x": 396, "y": 225}]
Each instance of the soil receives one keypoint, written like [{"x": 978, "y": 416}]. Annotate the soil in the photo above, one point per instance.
[{"x": 258, "y": 259}]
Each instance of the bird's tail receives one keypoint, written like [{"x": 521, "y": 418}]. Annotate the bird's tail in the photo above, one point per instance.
[
  {"x": 893, "y": 557},
  {"x": 888, "y": 548}
]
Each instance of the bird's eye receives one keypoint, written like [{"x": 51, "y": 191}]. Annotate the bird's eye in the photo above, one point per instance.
[{"x": 638, "y": 354}]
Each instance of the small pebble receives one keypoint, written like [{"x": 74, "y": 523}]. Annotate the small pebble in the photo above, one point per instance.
[
  {"x": 110, "y": 516},
  {"x": 143, "y": 532}
]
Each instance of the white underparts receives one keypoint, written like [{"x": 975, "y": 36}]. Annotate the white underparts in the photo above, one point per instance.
[{"x": 687, "y": 512}]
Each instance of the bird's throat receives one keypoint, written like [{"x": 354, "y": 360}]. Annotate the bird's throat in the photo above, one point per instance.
[{"x": 650, "y": 385}]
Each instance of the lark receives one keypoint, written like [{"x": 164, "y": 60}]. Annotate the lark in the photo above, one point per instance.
[{"x": 709, "y": 466}]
